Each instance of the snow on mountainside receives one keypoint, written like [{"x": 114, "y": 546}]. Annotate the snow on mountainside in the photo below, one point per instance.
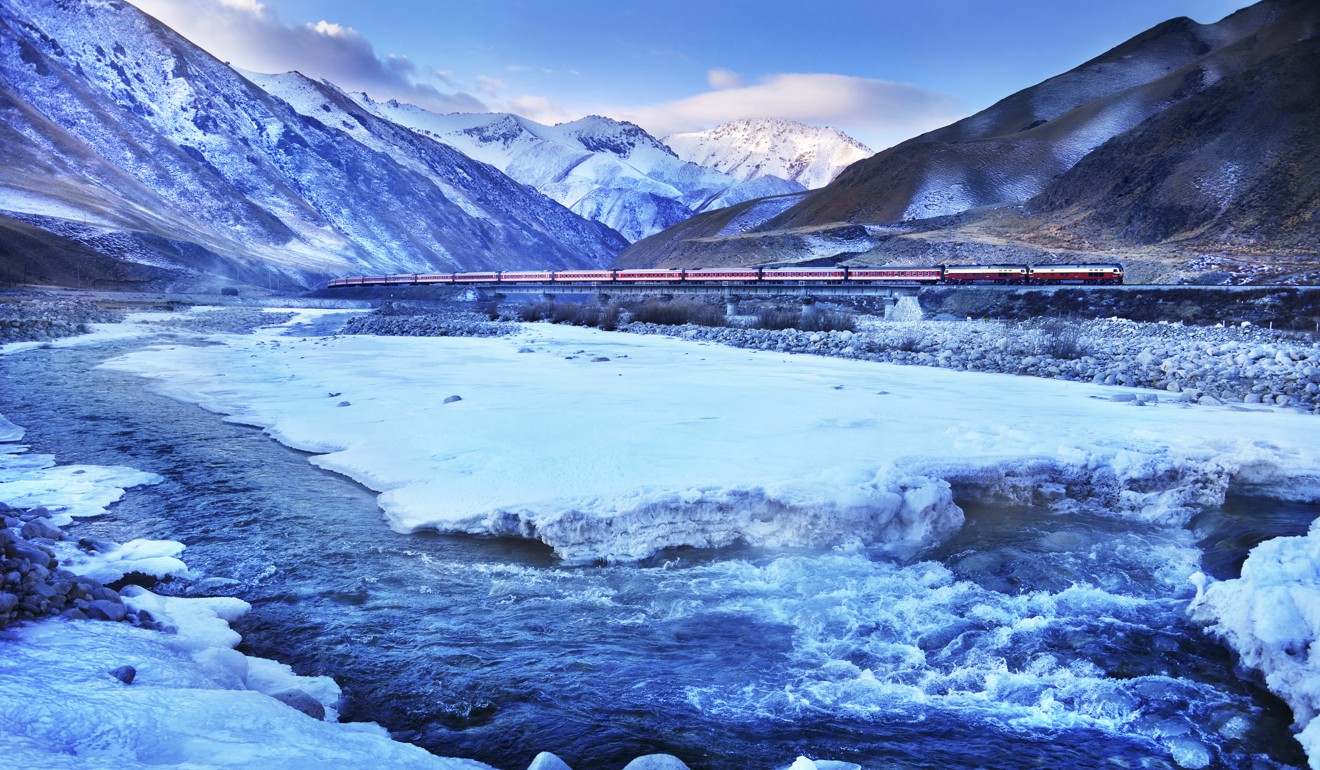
[
  {"x": 606, "y": 170},
  {"x": 119, "y": 136},
  {"x": 748, "y": 149}
]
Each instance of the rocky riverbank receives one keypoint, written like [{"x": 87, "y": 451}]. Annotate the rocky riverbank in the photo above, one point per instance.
[
  {"x": 32, "y": 583},
  {"x": 42, "y": 320},
  {"x": 1215, "y": 365}
]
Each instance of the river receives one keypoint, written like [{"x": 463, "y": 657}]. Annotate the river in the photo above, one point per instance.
[{"x": 1028, "y": 640}]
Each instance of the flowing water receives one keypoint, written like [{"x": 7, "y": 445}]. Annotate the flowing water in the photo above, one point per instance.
[{"x": 1028, "y": 640}]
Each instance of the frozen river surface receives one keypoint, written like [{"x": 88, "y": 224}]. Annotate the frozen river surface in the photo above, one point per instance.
[{"x": 1026, "y": 639}]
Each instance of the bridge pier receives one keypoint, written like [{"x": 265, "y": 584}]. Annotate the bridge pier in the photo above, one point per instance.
[
  {"x": 731, "y": 306},
  {"x": 549, "y": 296},
  {"x": 603, "y": 299}
]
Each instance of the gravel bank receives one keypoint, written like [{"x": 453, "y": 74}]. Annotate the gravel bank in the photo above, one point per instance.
[
  {"x": 41, "y": 320},
  {"x": 1241, "y": 364},
  {"x": 1214, "y": 365}
]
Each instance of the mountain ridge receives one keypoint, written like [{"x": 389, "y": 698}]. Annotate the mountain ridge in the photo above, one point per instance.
[
  {"x": 1055, "y": 172},
  {"x": 606, "y": 170},
  {"x": 119, "y": 121}
]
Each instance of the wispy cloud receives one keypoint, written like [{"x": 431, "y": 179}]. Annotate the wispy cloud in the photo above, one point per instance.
[
  {"x": 880, "y": 113},
  {"x": 721, "y": 78},
  {"x": 248, "y": 34}
]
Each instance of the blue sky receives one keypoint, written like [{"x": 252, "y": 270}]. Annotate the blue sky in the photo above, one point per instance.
[{"x": 882, "y": 70}]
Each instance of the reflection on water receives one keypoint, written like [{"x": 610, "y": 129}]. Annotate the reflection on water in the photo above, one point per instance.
[{"x": 1028, "y": 640}]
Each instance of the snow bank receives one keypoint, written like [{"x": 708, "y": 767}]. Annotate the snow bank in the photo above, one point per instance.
[
  {"x": 188, "y": 706},
  {"x": 186, "y": 698},
  {"x": 613, "y": 447},
  {"x": 1271, "y": 616}
]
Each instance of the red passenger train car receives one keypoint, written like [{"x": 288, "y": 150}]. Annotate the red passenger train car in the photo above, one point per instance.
[{"x": 1086, "y": 274}]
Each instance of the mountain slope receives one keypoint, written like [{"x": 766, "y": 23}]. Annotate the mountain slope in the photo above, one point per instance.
[
  {"x": 114, "y": 124},
  {"x": 751, "y": 148},
  {"x": 606, "y": 170},
  {"x": 1187, "y": 140}
]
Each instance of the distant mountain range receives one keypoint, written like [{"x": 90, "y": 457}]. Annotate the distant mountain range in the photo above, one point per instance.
[
  {"x": 1189, "y": 152},
  {"x": 787, "y": 149},
  {"x": 605, "y": 170}
]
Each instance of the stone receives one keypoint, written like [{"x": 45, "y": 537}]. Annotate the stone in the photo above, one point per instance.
[
  {"x": 39, "y": 528},
  {"x": 452, "y": 399},
  {"x": 96, "y": 546},
  {"x": 104, "y": 609},
  {"x": 125, "y": 674},
  {"x": 303, "y": 702}
]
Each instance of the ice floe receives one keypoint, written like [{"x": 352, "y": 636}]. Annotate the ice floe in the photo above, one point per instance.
[{"x": 612, "y": 447}]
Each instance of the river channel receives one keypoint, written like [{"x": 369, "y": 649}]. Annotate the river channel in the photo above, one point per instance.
[{"x": 1028, "y": 640}]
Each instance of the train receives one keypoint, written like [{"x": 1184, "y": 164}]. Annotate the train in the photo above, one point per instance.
[{"x": 951, "y": 275}]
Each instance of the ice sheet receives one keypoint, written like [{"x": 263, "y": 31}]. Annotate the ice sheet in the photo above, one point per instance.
[{"x": 609, "y": 446}]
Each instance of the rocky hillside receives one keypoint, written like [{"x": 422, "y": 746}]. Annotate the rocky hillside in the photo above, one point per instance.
[
  {"x": 130, "y": 152},
  {"x": 1188, "y": 150},
  {"x": 747, "y": 149}
]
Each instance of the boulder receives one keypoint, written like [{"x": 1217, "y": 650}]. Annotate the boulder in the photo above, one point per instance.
[{"x": 301, "y": 701}]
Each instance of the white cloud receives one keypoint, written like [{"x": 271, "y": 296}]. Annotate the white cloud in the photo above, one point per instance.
[
  {"x": 721, "y": 78},
  {"x": 489, "y": 85},
  {"x": 880, "y": 113},
  {"x": 249, "y": 35}
]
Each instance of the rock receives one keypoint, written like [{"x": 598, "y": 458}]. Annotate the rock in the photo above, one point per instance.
[
  {"x": 303, "y": 702},
  {"x": 125, "y": 674},
  {"x": 343, "y": 403},
  {"x": 452, "y": 399},
  {"x": 96, "y": 546},
  {"x": 39, "y": 528},
  {"x": 104, "y": 609},
  {"x": 599, "y": 359},
  {"x": 1209, "y": 400}
]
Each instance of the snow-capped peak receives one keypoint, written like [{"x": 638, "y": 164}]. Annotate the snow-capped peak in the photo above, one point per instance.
[
  {"x": 611, "y": 171},
  {"x": 755, "y": 147}
]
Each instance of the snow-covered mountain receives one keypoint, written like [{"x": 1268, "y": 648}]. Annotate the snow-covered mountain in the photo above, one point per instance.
[
  {"x": 747, "y": 149},
  {"x": 120, "y": 136},
  {"x": 603, "y": 169}
]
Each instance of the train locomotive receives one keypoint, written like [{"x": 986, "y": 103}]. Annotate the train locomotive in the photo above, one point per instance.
[{"x": 1110, "y": 274}]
